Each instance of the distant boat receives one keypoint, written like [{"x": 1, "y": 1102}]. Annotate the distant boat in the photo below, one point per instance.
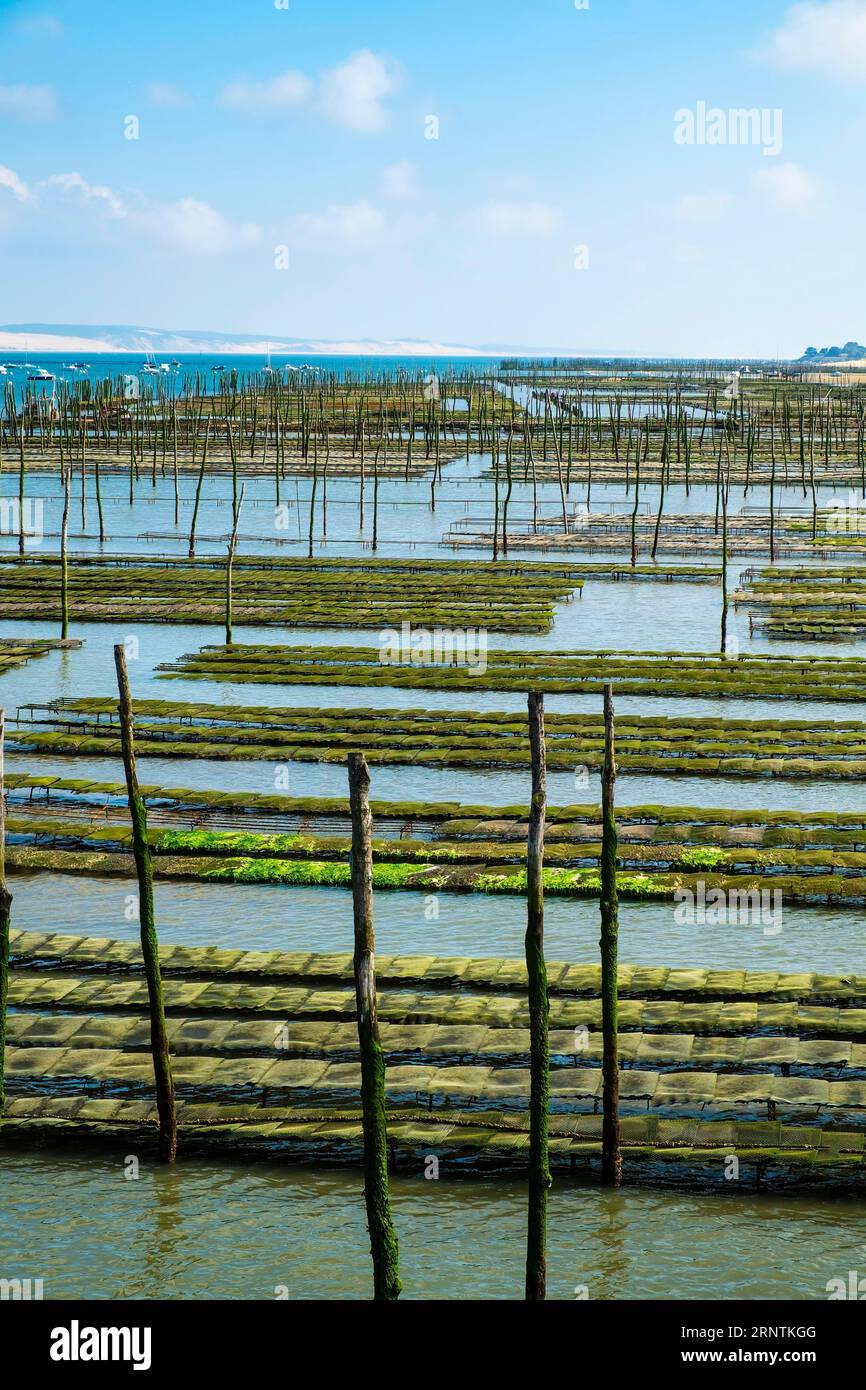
[{"x": 40, "y": 375}]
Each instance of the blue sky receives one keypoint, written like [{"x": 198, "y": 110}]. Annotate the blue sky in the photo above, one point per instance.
[{"x": 269, "y": 135}]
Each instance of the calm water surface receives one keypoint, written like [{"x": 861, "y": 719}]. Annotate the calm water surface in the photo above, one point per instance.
[
  {"x": 240, "y": 1230},
  {"x": 220, "y": 1230}
]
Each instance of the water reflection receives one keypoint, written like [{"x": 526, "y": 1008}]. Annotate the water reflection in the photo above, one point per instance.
[
  {"x": 218, "y": 1230},
  {"x": 269, "y": 917}
]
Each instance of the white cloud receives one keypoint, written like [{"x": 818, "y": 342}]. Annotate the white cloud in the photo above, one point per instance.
[
  {"x": 28, "y": 103},
  {"x": 164, "y": 94},
  {"x": 73, "y": 182},
  {"x": 352, "y": 94},
  {"x": 9, "y": 179},
  {"x": 189, "y": 223},
  {"x": 519, "y": 219},
  {"x": 401, "y": 179},
  {"x": 280, "y": 93},
  {"x": 192, "y": 225},
  {"x": 703, "y": 207},
  {"x": 354, "y": 223},
  {"x": 827, "y": 36},
  {"x": 788, "y": 187}
]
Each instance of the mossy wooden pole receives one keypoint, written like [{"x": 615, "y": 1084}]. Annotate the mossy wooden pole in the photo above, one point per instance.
[
  {"x": 98, "y": 498},
  {"x": 64, "y": 567},
  {"x": 539, "y": 1009},
  {"x": 636, "y": 500},
  {"x": 5, "y": 914},
  {"x": 383, "y": 1237},
  {"x": 724, "y": 632},
  {"x": 149, "y": 943},
  {"x": 611, "y": 1158},
  {"x": 21, "y": 489},
  {"x": 174, "y": 456},
  {"x": 230, "y": 560},
  {"x": 191, "y": 551},
  {"x": 311, "y": 530}
]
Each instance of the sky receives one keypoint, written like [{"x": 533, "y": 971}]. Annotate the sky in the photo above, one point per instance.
[{"x": 542, "y": 174}]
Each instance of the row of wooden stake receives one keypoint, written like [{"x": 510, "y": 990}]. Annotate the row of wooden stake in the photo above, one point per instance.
[{"x": 383, "y": 1238}]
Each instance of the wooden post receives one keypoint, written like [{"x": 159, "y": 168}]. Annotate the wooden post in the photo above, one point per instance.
[
  {"x": 611, "y": 1158},
  {"x": 311, "y": 532},
  {"x": 191, "y": 551},
  {"x": 383, "y": 1237},
  {"x": 509, "y": 482},
  {"x": 174, "y": 455},
  {"x": 149, "y": 942},
  {"x": 21, "y": 488},
  {"x": 636, "y": 500},
  {"x": 773, "y": 494},
  {"x": 230, "y": 559},
  {"x": 539, "y": 1009},
  {"x": 5, "y": 914},
  {"x": 64, "y": 568},
  {"x": 724, "y": 632},
  {"x": 98, "y": 497}
]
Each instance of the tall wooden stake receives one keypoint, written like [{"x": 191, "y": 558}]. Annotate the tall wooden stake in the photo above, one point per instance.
[
  {"x": 149, "y": 943},
  {"x": 539, "y": 1049},
  {"x": 724, "y": 632},
  {"x": 21, "y": 489},
  {"x": 611, "y": 1158},
  {"x": 230, "y": 560},
  {"x": 191, "y": 551},
  {"x": 5, "y": 915},
  {"x": 383, "y": 1237},
  {"x": 64, "y": 568}
]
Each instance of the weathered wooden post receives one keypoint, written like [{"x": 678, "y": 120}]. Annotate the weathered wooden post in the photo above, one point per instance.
[
  {"x": 724, "y": 632},
  {"x": 191, "y": 551},
  {"x": 230, "y": 560},
  {"x": 311, "y": 531},
  {"x": 5, "y": 915},
  {"x": 383, "y": 1238},
  {"x": 149, "y": 942},
  {"x": 539, "y": 1049},
  {"x": 21, "y": 487},
  {"x": 64, "y": 568},
  {"x": 611, "y": 1158}
]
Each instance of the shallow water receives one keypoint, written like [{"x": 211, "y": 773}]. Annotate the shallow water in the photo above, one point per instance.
[
  {"x": 270, "y": 917},
  {"x": 225, "y": 1229},
  {"x": 493, "y": 788},
  {"x": 220, "y": 1230}
]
